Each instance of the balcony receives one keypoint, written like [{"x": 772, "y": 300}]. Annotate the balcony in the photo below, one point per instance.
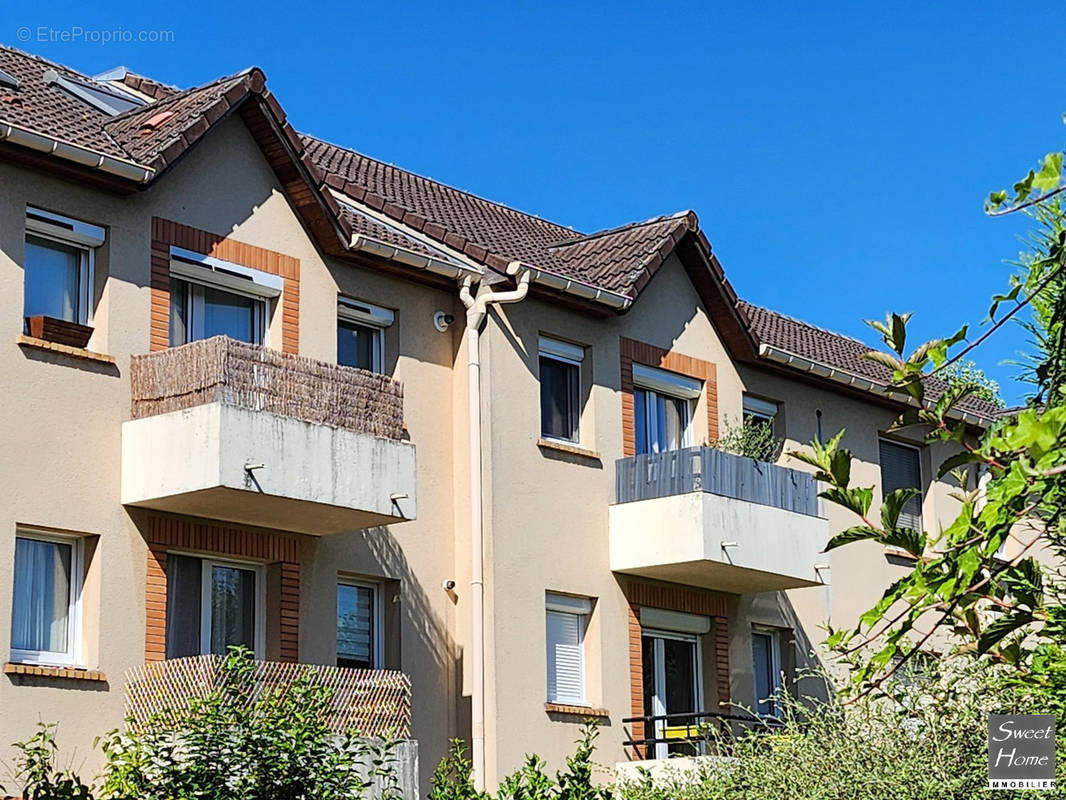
[
  {"x": 373, "y": 702},
  {"x": 241, "y": 433},
  {"x": 702, "y": 517}
]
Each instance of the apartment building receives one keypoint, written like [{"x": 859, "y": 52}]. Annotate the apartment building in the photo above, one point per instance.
[{"x": 443, "y": 436}]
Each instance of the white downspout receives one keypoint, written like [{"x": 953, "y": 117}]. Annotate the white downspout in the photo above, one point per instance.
[{"x": 476, "y": 310}]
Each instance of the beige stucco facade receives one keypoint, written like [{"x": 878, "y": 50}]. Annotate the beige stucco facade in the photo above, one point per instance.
[{"x": 546, "y": 508}]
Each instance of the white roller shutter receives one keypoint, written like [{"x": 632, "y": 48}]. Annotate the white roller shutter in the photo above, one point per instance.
[{"x": 566, "y": 658}]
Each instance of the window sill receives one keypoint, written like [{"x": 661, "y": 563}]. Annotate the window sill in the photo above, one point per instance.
[
  {"x": 40, "y": 671},
  {"x": 576, "y": 711},
  {"x": 569, "y": 449},
  {"x": 64, "y": 349}
]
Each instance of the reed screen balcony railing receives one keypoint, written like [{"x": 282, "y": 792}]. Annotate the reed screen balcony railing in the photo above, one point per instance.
[
  {"x": 223, "y": 370},
  {"x": 371, "y": 702}
]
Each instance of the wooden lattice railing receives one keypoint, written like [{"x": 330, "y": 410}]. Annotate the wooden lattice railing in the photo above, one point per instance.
[
  {"x": 223, "y": 370},
  {"x": 372, "y": 702}
]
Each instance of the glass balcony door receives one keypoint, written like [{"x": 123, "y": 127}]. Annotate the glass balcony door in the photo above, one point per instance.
[{"x": 672, "y": 685}]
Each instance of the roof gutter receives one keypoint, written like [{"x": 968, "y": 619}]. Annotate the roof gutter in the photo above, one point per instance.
[
  {"x": 68, "y": 151},
  {"x": 846, "y": 378},
  {"x": 586, "y": 291},
  {"x": 412, "y": 259}
]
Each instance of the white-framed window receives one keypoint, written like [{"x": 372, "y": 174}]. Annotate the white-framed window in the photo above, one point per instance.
[
  {"x": 901, "y": 468},
  {"x": 759, "y": 411},
  {"x": 766, "y": 655},
  {"x": 46, "y": 607},
  {"x": 360, "y": 624},
  {"x": 560, "y": 389},
  {"x": 211, "y": 297},
  {"x": 662, "y": 408},
  {"x": 567, "y": 620},
  {"x": 671, "y": 653},
  {"x": 361, "y": 334},
  {"x": 60, "y": 260},
  {"x": 213, "y": 603}
]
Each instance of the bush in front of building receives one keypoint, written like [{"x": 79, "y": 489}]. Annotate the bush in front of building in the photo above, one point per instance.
[
  {"x": 228, "y": 745},
  {"x": 453, "y": 778},
  {"x": 928, "y": 741}
]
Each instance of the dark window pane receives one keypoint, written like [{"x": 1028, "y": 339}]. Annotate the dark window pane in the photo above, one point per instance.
[
  {"x": 39, "y": 618},
  {"x": 901, "y": 469},
  {"x": 355, "y": 626},
  {"x": 558, "y": 399},
  {"x": 52, "y": 274},
  {"x": 232, "y": 608},
  {"x": 179, "y": 312},
  {"x": 356, "y": 345},
  {"x": 228, "y": 314},
  {"x": 184, "y": 576}
]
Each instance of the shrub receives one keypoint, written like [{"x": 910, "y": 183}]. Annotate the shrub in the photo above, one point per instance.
[
  {"x": 228, "y": 745},
  {"x": 925, "y": 742},
  {"x": 750, "y": 438},
  {"x": 452, "y": 779}
]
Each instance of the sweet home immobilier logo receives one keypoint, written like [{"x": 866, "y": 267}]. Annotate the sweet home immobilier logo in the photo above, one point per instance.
[{"x": 1021, "y": 751}]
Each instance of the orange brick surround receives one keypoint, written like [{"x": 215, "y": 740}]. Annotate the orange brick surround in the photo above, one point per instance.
[
  {"x": 211, "y": 538},
  {"x": 166, "y": 234},
  {"x": 632, "y": 351},
  {"x": 672, "y": 597}
]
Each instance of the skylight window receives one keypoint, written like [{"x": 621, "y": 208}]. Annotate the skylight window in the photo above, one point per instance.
[
  {"x": 100, "y": 96},
  {"x": 8, "y": 80}
]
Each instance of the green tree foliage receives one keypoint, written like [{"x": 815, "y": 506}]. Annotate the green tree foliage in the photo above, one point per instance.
[
  {"x": 229, "y": 745},
  {"x": 931, "y": 745},
  {"x": 1011, "y": 610},
  {"x": 967, "y": 373}
]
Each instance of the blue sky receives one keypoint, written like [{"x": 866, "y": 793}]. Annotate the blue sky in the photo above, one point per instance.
[{"x": 837, "y": 155}]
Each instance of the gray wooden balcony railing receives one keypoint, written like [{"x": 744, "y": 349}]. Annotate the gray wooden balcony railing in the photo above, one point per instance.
[{"x": 695, "y": 469}]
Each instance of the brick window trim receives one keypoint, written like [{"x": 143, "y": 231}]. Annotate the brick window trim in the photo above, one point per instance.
[
  {"x": 167, "y": 234},
  {"x": 222, "y": 539},
  {"x": 685, "y": 599},
  {"x": 633, "y": 352}
]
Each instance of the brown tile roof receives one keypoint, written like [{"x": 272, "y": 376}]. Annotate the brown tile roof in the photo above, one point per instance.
[
  {"x": 193, "y": 111},
  {"x": 623, "y": 259},
  {"x": 48, "y": 108},
  {"x": 620, "y": 260},
  {"x": 360, "y": 222},
  {"x": 154, "y": 89},
  {"x": 838, "y": 351}
]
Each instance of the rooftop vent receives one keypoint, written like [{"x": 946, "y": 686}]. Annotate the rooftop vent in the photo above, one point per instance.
[{"x": 154, "y": 121}]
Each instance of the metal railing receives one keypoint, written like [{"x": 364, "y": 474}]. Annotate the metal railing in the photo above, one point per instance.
[
  {"x": 695, "y": 469},
  {"x": 691, "y": 729},
  {"x": 373, "y": 702},
  {"x": 258, "y": 378}
]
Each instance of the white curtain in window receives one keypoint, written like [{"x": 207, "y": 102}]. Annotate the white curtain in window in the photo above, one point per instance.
[{"x": 42, "y": 596}]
